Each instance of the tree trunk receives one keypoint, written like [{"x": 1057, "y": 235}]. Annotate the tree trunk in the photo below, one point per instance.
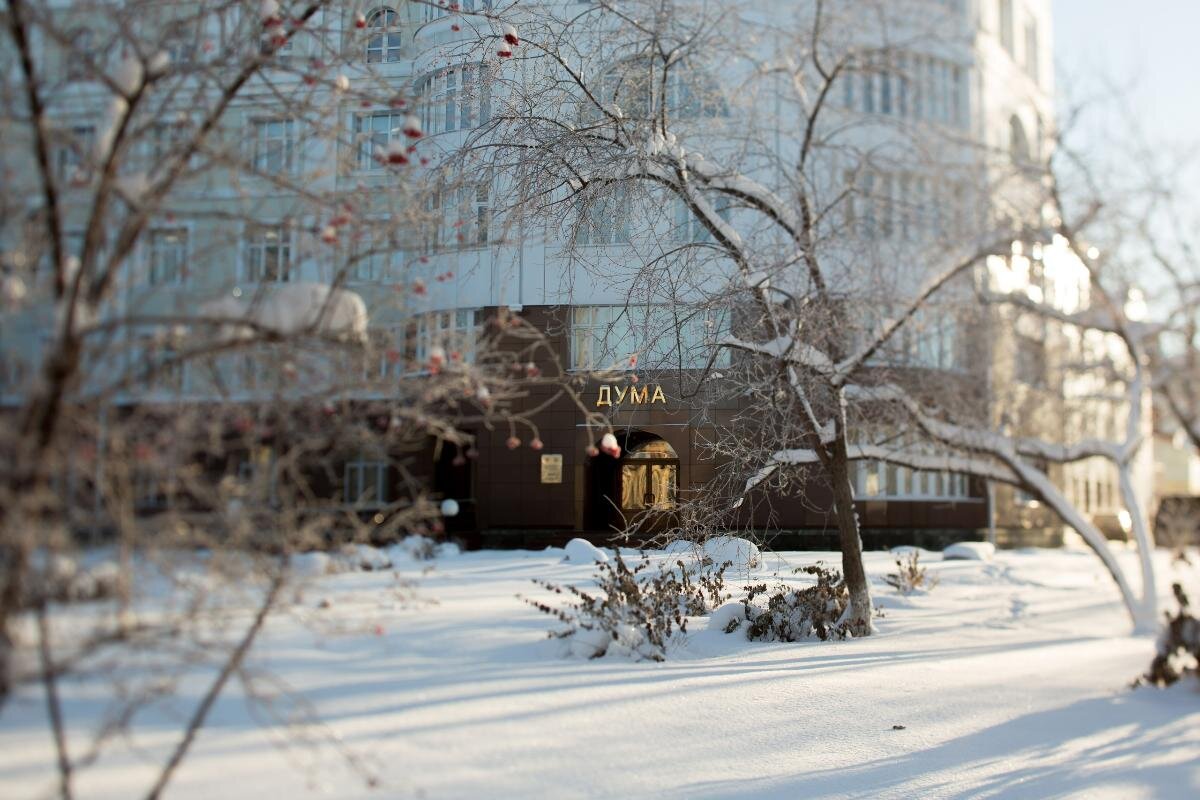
[{"x": 848, "y": 536}]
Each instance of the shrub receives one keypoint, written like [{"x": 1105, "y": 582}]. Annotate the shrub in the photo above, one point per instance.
[
  {"x": 910, "y": 576},
  {"x": 636, "y": 611},
  {"x": 1178, "y": 646},
  {"x": 787, "y": 614}
]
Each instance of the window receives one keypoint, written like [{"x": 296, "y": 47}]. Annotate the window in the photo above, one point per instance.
[
  {"x": 958, "y": 104},
  {"x": 1018, "y": 141},
  {"x": 879, "y": 480},
  {"x": 455, "y": 331},
  {"x": 1030, "y": 361},
  {"x": 457, "y": 98},
  {"x": 167, "y": 259},
  {"x": 688, "y": 227},
  {"x": 275, "y": 146},
  {"x": 384, "y": 43},
  {"x": 911, "y": 86},
  {"x": 607, "y": 337},
  {"x": 604, "y": 221},
  {"x": 1006, "y": 25},
  {"x": 433, "y": 11},
  {"x": 482, "y": 213},
  {"x": 165, "y": 138},
  {"x": 365, "y": 481},
  {"x": 267, "y": 254},
  {"x": 928, "y": 340},
  {"x": 1032, "y": 56},
  {"x": 690, "y": 94},
  {"x": 635, "y": 86},
  {"x": 373, "y": 261},
  {"x": 161, "y": 368},
  {"x": 374, "y": 132},
  {"x": 72, "y": 157},
  {"x": 180, "y": 46},
  {"x": 386, "y": 354},
  {"x": 649, "y": 477},
  {"x": 459, "y": 216},
  {"x": 78, "y": 54}
]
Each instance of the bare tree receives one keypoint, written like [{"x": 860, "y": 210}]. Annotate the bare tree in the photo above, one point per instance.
[
  {"x": 217, "y": 345},
  {"x": 735, "y": 120}
]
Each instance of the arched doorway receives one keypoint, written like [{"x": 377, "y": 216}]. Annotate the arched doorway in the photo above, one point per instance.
[
  {"x": 641, "y": 485},
  {"x": 649, "y": 477}
]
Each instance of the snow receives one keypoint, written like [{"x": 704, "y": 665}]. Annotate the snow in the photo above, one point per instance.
[
  {"x": 292, "y": 308},
  {"x": 310, "y": 565},
  {"x": 969, "y": 551},
  {"x": 128, "y": 75},
  {"x": 298, "y": 306},
  {"x": 726, "y": 614},
  {"x": 1010, "y": 679},
  {"x": 581, "y": 551},
  {"x": 741, "y": 553}
]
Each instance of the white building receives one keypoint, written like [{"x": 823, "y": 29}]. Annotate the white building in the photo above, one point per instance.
[{"x": 953, "y": 114}]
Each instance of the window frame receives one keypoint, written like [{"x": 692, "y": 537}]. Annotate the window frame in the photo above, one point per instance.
[
  {"x": 250, "y": 245},
  {"x": 181, "y": 271},
  {"x": 388, "y": 36},
  {"x": 263, "y": 145}
]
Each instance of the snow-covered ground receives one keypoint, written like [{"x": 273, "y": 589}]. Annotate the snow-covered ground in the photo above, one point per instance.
[{"x": 1010, "y": 679}]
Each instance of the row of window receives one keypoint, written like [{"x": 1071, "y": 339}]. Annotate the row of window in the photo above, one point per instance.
[
  {"x": 878, "y": 480},
  {"x": 912, "y": 87},
  {"x": 601, "y": 337},
  {"x": 395, "y": 351},
  {"x": 185, "y": 41},
  {"x": 930, "y": 339},
  {"x": 364, "y": 481},
  {"x": 619, "y": 337},
  {"x": 268, "y": 255},
  {"x": 453, "y": 99},
  {"x": 904, "y": 206},
  {"x": 1031, "y": 60},
  {"x": 636, "y": 87}
]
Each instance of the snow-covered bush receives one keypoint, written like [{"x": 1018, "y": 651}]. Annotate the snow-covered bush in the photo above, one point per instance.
[
  {"x": 637, "y": 612},
  {"x": 59, "y": 579},
  {"x": 1178, "y": 646},
  {"x": 581, "y": 551},
  {"x": 969, "y": 551},
  {"x": 910, "y": 576},
  {"x": 420, "y": 548},
  {"x": 787, "y": 614},
  {"x": 741, "y": 553}
]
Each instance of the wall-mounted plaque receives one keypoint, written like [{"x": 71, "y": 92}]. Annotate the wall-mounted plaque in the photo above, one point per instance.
[{"x": 552, "y": 466}]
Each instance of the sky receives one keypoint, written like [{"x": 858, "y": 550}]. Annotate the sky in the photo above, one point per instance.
[{"x": 1149, "y": 49}]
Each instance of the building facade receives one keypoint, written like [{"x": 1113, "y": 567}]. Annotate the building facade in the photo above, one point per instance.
[{"x": 986, "y": 86}]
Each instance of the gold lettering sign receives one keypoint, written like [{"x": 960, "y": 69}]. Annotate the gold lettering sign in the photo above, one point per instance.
[
  {"x": 638, "y": 396},
  {"x": 552, "y": 468}
]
